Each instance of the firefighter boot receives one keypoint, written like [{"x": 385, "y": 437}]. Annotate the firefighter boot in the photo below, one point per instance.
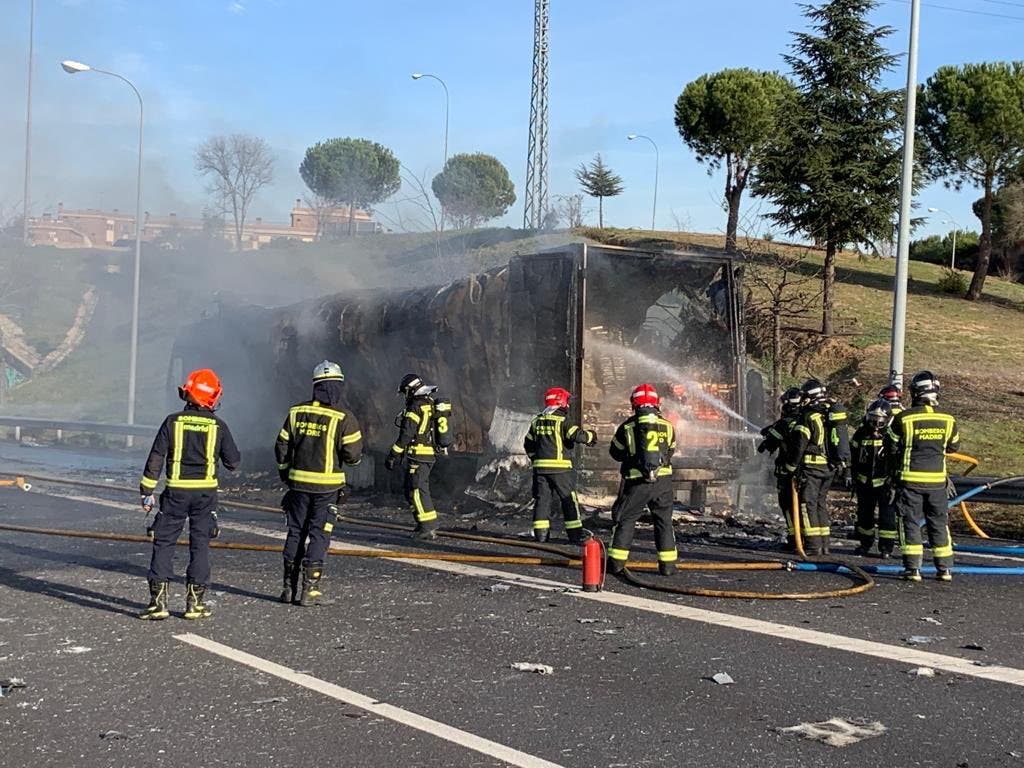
[
  {"x": 575, "y": 535},
  {"x": 911, "y": 574},
  {"x": 667, "y": 569},
  {"x": 942, "y": 573},
  {"x": 615, "y": 567},
  {"x": 195, "y": 608},
  {"x": 425, "y": 531},
  {"x": 541, "y": 535},
  {"x": 290, "y": 583},
  {"x": 157, "y": 608},
  {"x": 311, "y": 575}
]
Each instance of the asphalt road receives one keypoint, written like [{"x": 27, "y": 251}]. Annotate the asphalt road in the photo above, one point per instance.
[{"x": 630, "y": 686}]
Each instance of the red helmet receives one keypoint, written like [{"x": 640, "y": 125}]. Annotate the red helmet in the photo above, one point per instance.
[
  {"x": 202, "y": 387},
  {"x": 890, "y": 393},
  {"x": 556, "y": 397},
  {"x": 645, "y": 396}
]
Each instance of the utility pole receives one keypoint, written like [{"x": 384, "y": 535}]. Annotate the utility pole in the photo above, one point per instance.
[
  {"x": 25, "y": 204},
  {"x": 899, "y": 308},
  {"x": 536, "y": 204}
]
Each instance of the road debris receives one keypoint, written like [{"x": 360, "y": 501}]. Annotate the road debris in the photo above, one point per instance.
[
  {"x": 499, "y": 587},
  {"x": 921, "y": 639},
  {"x": 271, "y": 700},
  {"x": 6, "y": 686},
  {"x": 972, "y": 647},
  {"x": 592, "y": 621},
  {"x": 930, "y": 620},
  {"x": 75, "y": 649},
  {"x": 114, "y": 736},
  {"x": 605, "y": 631},
  {"x": 722, "y": 678},
  {"x": 527, "y": 666},
  {"x": 922, "y": 672},
  {"x": 837, "y": 732}
]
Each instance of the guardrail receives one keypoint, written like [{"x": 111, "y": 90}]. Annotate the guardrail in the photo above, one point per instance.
[
  {"x": 21, "y": 424},
  {"x": 1007, "y": 493}
]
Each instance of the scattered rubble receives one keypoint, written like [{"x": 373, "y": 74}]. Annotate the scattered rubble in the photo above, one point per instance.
[
  {"x": 922, "y": 672},
  {"x": 921, "y": 639},
  {"x": 722, "y": 678},
  {"x": 527, "y": 666},
  {"x": 837, "y": 732}
]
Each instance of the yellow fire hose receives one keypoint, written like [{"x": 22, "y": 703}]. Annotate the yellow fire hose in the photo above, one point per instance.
[
  {"x": 972, "y": 463},
  {"x": 562, "y": 560},
  {"x": 798, "y": 539}
]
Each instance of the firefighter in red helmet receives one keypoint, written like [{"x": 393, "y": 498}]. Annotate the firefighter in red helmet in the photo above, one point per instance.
[
  {"x": 549, "y": 444},
  {"x": 644, "y": 444},
  {"x": 190, "y": 443}
]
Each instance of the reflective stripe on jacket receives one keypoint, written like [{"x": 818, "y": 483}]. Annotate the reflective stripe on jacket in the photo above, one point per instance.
[
  {"x": 314, "y": 445},
  {"x": 190, "y": 443}
]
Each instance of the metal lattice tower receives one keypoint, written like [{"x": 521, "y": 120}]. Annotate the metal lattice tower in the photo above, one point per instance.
[{"x": 537, "y": 152}]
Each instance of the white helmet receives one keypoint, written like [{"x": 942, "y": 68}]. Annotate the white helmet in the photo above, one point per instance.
[{"x": 328, "y": 371}]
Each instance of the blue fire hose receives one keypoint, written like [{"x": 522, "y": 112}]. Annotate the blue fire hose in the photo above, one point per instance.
[
  {"x": 896, "y": 570},
  {"x": 982, "y": 549}
]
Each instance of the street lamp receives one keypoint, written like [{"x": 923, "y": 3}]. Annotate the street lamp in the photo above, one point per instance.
[
  {"x": 419, "y": 75},
  {"x": 657, "y": 162},
  {"x": 25, "y": 203},
  {"x": 72, "y": 68},
  {"x": 952, "y": 260}
]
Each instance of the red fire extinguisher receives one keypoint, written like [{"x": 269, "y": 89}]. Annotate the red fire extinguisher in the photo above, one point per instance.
[{"x": 593, "y": 564}]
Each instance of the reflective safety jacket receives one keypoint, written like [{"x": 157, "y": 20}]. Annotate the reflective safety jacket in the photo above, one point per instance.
[
  {"x": 870, "y": 468},
  {"x": 838, "y": 444},
  {"x": 917, "y": 442},
  {"x": 314, "y": 445},
  {"x": 416, "y": 430},
  {"x": 190, "y": 443},
  {"x": 551, "y": 439},
  {"x": 776, "y": 438},
  {"x": 807, "y": 448},
  {"x": 644, "y": 443}
]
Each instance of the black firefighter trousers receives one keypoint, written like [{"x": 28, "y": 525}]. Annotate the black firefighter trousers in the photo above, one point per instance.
[
  {"x": 869, "y": 499},
  {"x": 177, "y": 507},
  {"x": 310, "y": 522},
  {"x": 926, "y": 507},
  {"x": 814, "y": 519},
  {"x": 417, "y": 493},
  {"x": 634, "y": 498},
  {"x": 560, "y": 485}
]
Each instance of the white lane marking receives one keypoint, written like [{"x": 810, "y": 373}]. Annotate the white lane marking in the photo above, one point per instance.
[
  {"x": 954, "y": 664},
  {"x": 904, "y": 655},
  {"x": 402, "y": 716}
]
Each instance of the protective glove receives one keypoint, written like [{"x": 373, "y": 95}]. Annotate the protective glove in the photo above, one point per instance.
[
  {"x": 589, "y": 437},
  {"x": 762, "y": 447},
  {"x": 215, "y": 525},
  {"x": 951, "y": 492},
  {"x": 847, "y": 479},
  {"x": 148, "y": 502},
  {"x": 391, "y": 462}
]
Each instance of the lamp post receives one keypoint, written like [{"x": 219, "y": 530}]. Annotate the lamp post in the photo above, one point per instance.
[
  {"x": 25, "y": 204},
  {"x": 72, "y": 68},
  {"x": 952, "y": 259},
  {"x": 418, "y": 76},
  {"x": 657, "y": 162}
]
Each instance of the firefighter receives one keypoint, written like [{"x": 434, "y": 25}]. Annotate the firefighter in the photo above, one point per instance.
[
  {"x": 319, "y": 437},
  {"x": 776, "y": 439},
  {"x": 549, "y": 444},
  {"x": 917, "y": 442},
  {"x": 418, "y": 428},
  {"x": 189, "y": 443},
  {"x": 871, "y": 481},
  {"x": 644, "y": 444},
  {"x": 815, "y": 456},
  {"x": 891, "y": 394}
]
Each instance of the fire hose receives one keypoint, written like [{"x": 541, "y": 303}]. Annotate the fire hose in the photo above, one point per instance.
[{"x": 864, "y": 581}]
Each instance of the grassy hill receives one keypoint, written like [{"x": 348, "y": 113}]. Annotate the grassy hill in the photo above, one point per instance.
[{"x": 974, "y": 347}]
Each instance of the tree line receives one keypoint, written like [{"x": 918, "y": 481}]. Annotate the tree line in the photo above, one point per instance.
[{"x": 824, "y": 145}]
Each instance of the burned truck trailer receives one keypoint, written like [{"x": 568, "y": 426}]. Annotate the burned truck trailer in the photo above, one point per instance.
[{"x": 594, "y": 319}]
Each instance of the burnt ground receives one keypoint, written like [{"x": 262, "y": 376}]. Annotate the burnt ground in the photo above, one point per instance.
[{"x": 630, "y": 685}]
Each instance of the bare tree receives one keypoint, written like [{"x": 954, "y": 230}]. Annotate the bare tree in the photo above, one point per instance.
[
  {"x": 779, "y": 283},
  {"x": 236, "y": 167},
  {"x": 570, "y": 209}
]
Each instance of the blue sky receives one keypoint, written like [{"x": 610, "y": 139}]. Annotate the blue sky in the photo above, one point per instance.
[{"x": 298, "y": 71}]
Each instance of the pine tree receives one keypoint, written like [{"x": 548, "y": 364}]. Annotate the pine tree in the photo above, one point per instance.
[
  {"x": 833, "y": 175},
  {"x": 597, "y": 180}
]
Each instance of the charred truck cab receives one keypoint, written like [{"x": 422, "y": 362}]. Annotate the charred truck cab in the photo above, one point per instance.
[{"x": 594, "y": 319}]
